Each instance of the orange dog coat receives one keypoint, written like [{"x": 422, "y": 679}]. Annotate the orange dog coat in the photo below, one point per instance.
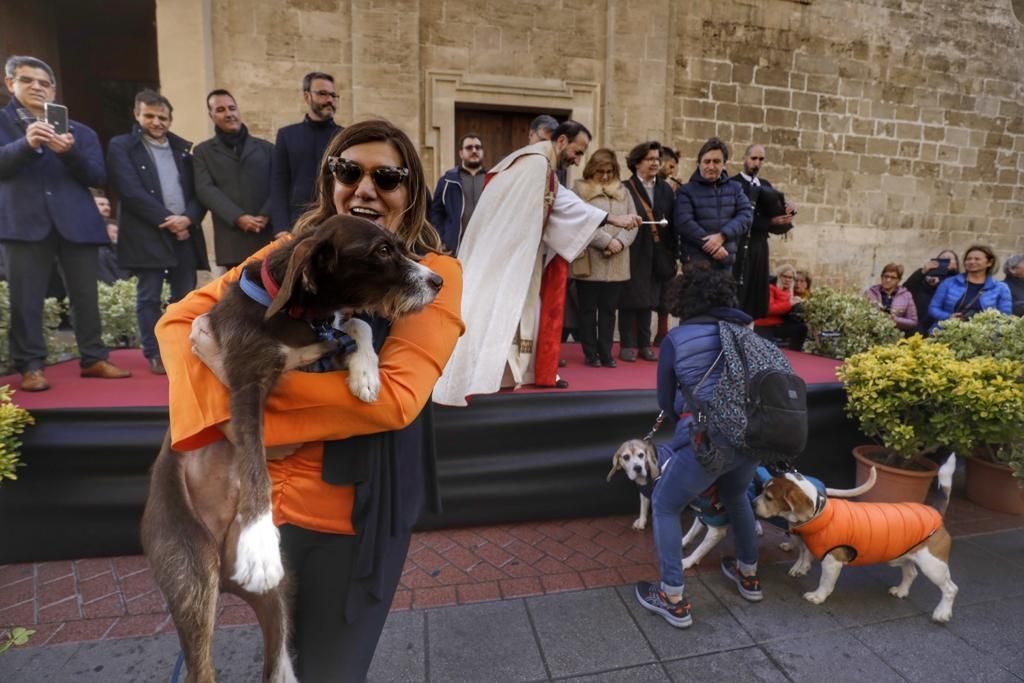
[{"x": 877, "y": 532}]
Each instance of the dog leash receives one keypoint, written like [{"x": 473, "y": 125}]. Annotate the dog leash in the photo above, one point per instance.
[
  {"x": 177, "y": 667},
  {"x": 657, "y": 425}
]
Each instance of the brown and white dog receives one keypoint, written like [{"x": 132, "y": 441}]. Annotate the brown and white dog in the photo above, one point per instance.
[
  {"x": 639, "y": 460},
  {"x": 207, "y": 525},
  {"x": 910, "y": 536}
]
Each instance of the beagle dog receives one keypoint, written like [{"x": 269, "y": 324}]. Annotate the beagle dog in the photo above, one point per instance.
[
  {"x": 639, "y": 460},
  {"x": 910, "y": 536}
]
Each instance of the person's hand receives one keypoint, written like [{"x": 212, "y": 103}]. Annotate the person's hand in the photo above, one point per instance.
[
  {"x": 713, "y": 242},
  {"x": 956, "y": 316},
  {"x": 178, "y": 225},
  {"x": 279, "y": 235},
  {"x": 794, "y": 299},
  {"x": 206, "y": 348},
  {"x": 61, "y": 143},
  {"x": 930, "y": 266},
  {"x": 626, "y": 221},
  {"x": 39, "y": 133},
  {"x": 614, "y": 247},
  {"x": 791, "y": 209},
  {"x": 784, "y": 219},
  {"x": 720, "y": 254},
  {"x": 249, "y": 223}
]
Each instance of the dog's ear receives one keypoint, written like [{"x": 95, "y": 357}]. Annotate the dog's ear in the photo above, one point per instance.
[
  {"x": 796, "y": 499},
  {"x": 651, "y": 455},
  {"x": 616, "y": 462},
  {"x": 298, "y": 265}
]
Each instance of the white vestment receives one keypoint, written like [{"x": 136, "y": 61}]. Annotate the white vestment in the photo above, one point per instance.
[{"x": 503, "y": 253}]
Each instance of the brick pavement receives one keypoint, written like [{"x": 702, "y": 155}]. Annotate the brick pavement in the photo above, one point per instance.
[{"x": 112, "y": 598}]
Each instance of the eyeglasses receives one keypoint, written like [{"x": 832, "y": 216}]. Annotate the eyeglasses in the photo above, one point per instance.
[
  {"x": 385, "y": 178},
  {"x": 325, "y": 93},
  {"x": 472, "y": 148},
  {"x": 28, "y": 80}
]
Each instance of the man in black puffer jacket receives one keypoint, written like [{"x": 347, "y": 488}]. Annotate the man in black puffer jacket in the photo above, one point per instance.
[{"x": 712, "y": 211}]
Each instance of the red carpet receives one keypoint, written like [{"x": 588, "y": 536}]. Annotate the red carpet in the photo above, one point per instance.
[{"x": 68, "y": 390}]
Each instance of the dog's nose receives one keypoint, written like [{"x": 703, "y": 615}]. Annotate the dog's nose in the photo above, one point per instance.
[
  {"x": 435, "y": 281},
  {"x": 638, "y": 469}
]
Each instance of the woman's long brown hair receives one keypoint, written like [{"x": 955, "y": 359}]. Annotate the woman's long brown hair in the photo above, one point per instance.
[{"x": 415, "y": 232}]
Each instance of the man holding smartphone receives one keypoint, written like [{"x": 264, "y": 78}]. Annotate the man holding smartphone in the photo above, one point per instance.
[{"x": 47, "y": 214}]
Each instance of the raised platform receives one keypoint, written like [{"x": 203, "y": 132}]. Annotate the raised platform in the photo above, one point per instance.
[{"x": 508, "y": 457}]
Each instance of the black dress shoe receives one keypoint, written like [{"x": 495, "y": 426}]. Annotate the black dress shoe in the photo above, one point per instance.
[
  {"x": 562, "y": 384},
  {"x": 561, "y": 362},
  {"x": 592, "y": 362},
  {"x": 610, "y": 363},
  {"x": 628, "y": 355},
  {"x": 156, "y": 366},
  {"x": 648, "y": 354}
]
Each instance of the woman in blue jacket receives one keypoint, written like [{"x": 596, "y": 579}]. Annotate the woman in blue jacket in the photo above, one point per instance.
[
  {"x": 973, "y": 291},
  {"x": 701, "y": 297}
]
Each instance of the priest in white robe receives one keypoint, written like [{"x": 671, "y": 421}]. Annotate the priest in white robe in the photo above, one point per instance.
[{"x": 525, "y": 231}]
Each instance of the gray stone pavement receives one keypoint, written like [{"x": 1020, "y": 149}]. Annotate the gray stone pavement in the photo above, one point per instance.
[{"x": 860, "y": 634}]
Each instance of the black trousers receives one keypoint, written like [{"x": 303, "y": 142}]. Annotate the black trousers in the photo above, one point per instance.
[
  {"x": 29, "y": 265},
  {"x": 635, "y": 328},
  {"x": 326, "y": 647},
  {"x": 598, "y": 301}
]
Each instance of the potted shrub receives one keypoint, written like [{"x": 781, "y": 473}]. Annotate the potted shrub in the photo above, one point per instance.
[
  {"x": 117, "y": 312},
  {"x": 904, "y": 395},
  {"x": 993, "y": 405},
  {"x": 841, "y": 324},
  {"x": 13, "y": 420}
]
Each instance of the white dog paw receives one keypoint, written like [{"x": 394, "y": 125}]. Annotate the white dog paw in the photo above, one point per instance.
[
  {"x": 898, "y": 592},
  {"x": 258, "y": 566},
  {"x": 942, "y": 614},
  {"x": 688, "y": 562},
  {"x": 758, "y": 529},
  {"x": 363, "y": 368},
  {"x": 639, "y": 524},
  {"x": 798, "y": 570},
  {"x": 785, "y": 546},
  {"x": 815, "y": 597}
]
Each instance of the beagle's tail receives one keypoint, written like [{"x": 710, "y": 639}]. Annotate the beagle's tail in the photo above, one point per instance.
[{"x": 944, "y": 482}]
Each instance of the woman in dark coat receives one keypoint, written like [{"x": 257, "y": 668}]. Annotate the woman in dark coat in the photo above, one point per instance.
[
  {"x": 654, "y": 201},
  {"x": 923, "y": 282}
]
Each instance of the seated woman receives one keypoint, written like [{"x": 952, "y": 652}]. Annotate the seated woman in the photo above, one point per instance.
[
  {"x": 973, "y": 291},
  {"x": 599, "y": 284},
  {"x": 893, "y": 299},
  {"x": 1013, "y": 271},
  {"x": 923, "y": 282},
  {"x": 802, "y": 284},
  {"x": 783, "y": 324},
  {"x": 700, "y": 297},
  {"x": 357, "y": 475}
]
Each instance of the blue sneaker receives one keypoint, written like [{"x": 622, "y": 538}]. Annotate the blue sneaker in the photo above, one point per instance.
[
  {"x": 749, "y": 586},
  {"x": 653, "y": 599}
]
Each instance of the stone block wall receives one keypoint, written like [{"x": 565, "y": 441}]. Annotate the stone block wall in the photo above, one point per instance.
[{"x": 896, "y": 125}]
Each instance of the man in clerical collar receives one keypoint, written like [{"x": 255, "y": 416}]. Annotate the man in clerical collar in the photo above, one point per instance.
[
  {"x": 298, "y": 151},
  {"x": 233, "y": 182},
  {"x": 458, "y": 192}
]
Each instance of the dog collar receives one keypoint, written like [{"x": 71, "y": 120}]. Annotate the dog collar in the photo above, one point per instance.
[
  {"x": 270, "y": 289},
  {"x": 254, "y": 291}
]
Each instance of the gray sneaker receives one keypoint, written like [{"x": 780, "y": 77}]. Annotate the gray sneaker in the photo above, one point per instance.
[{"x": 653, "y": 599}]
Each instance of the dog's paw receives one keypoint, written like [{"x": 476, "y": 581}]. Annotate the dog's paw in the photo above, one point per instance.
[
  {"x": 258, "y": 566},
  {"x": 688, "y": 562},
  {"x": 363, "y": 369},
  {"x": 785, "y": 546},
  {"x": 815, "y": 597},
  {"x": 758, "y": 529},
  {"x": 942, "y": 614},
  {"x": 899, "y": 592},
  {"x": 798, "y": 570},
  {"x": 640, "y": 524}
]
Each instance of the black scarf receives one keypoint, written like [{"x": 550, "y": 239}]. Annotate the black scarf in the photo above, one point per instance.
[{"x": 233, "y": 141}]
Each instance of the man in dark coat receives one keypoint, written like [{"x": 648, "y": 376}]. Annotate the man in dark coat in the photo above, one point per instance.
[
  {"x": 48, "y": 215},
  {"x": 161, "y": 235},
  {"x": 299, "y": 149},
  {"x": 458, "y": 191},
  {"x": 1014, "y": 272},
  {"x": 751, "y": 269},
  {"x": 641, "y": 295},
  {"x": 712, "y": 212},
  {"x": 233, "y": 181}
]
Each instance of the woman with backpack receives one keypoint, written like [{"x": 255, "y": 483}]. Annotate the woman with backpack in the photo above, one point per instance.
[{"x": 692, "y": 355}]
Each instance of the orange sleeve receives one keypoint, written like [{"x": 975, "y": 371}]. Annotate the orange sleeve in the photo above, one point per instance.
[{"x": 307, "y": 406}]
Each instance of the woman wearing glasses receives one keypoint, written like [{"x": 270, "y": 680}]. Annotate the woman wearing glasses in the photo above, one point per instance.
[{"x": 345, "y": 499}]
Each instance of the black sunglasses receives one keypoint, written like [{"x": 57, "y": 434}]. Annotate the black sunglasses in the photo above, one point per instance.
[{"x": 385, "y": 178}]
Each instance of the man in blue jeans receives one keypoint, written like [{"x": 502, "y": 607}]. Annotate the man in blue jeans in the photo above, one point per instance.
[
  {"x": 160, "y": 233},
  {"x": 700, "y": 297}
]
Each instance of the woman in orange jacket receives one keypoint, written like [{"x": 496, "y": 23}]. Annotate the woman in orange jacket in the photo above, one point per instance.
[{"x": 356, "y": 475}]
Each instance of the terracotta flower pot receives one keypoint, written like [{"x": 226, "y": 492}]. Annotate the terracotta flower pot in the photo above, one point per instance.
[
  {"x": 993, "y": 486},
  {"x": 894, "y": 484}
]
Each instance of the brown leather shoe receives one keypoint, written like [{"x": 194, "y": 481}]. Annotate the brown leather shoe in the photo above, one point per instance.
[
  {"x": 34, "y": 380},
  {"x": 105, "y": 370},
  {"x": 156, "y": 366}
]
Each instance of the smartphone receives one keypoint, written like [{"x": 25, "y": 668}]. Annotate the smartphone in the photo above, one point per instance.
[
  {"x": 57, "y": 116},
  {"x": 942, "y": 270}
]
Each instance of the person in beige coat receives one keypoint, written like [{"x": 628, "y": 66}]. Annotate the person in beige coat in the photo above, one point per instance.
[{"x": 604, "y": 265}]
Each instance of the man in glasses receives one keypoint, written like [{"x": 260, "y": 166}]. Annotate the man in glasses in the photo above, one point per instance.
[
  {"x": 515, "y": 258},
  {"x": 298, "y": 150},
  {"x": 47, "y": 213},
  {"x": 233, "y": 182},
  {"x": 458, "y": 191}
]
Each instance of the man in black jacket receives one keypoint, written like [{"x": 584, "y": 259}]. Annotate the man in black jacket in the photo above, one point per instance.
[
  {"x": 751, "y": 269},
  {"x": 299, "y": 149},
  {"x": 233, "y": 182},
  {"x": 160, "y": 235}
]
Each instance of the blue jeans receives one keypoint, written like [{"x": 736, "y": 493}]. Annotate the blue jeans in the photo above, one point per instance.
[
  {"x": 148, "y": 305},
  {"x": 682, "y": 480}
]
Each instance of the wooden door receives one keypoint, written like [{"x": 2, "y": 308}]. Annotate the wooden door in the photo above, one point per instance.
[{"x": 502, "y": 131}]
